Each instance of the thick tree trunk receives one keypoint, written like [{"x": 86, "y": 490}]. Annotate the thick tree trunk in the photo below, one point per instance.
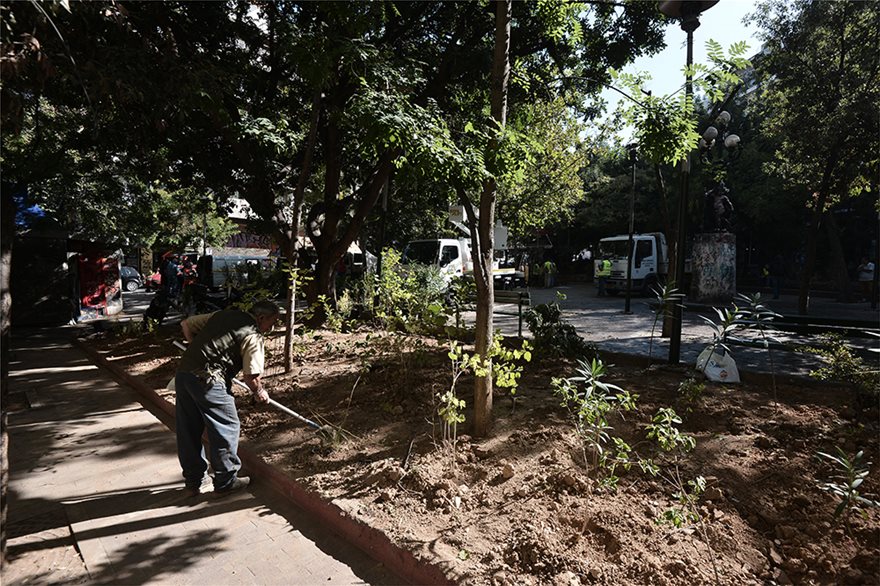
[
  {"x": 335, "y": 238},
  {"x": 483, "y": 268},
  {"x": 838, "y": 260},
  {"x": 7, "y": 235}
]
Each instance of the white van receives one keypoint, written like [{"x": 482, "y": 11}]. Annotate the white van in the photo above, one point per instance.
[{"x": 218, "y": 270}]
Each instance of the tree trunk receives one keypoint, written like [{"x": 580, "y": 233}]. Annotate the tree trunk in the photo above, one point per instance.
[
  {"x": 838, "y": 259},
  {"x": 335, "y": 238},
  {"x": 7, "y": 236},
  {"x": 292, "y": 253},
  {"x": 670, "y": 244},
  {"x": 812, "y": 239},
  {"x": 483, "y": 268}
]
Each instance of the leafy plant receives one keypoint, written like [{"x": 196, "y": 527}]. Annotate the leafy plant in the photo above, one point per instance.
[
  {"x": 335, "y": 319},
  {"x": 728, "y": 322},
  {"x": 552, "y": 336},
  {"x": 408, "y": 298},
  {"x": 590, "y": 402},
  {"x": 687, "y": 492},
  {"x": 503, "y": 363},
  {"x": 761, "y": 318},
  {"x": 666, "y": 297},
  {"x": 461, "y": 292},
  {"x": 689, "y": 392},
  {"x": 849, "y": 475},
  {"x": 451, "y": 407},
  {"x": 842, "y": 364}
]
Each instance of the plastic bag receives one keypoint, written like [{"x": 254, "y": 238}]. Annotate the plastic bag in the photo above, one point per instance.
[{"x": 721, "y": 367}]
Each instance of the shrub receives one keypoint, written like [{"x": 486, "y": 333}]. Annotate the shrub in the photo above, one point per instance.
[
  {"x": 590, "y": 402},
  {"x": 842, "y": 364},
  {"x": 552, "y": 336},
  {"x": 409, "y": 298}
]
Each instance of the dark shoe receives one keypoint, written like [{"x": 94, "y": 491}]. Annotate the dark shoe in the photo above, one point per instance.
[
  {"x": 238, "y": 483},
  {"x": 196, "y": 490}
]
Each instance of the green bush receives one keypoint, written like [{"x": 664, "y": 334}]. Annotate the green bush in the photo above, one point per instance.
[
  {"x": 553, "y": 337},
  {"x": 408, "y": 298}
]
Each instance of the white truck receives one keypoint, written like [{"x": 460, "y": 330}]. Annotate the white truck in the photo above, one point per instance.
[
  {"x": 453, "y": 255},
  {"x": 650, "y": 264}
]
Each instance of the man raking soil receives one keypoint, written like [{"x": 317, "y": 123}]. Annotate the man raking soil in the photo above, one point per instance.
[{"x": 221, "y": 344}]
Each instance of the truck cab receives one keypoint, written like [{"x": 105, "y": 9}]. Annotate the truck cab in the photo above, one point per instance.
[
  {"x": 452, "y": 256},
  {"x": 650, "y": 264}
]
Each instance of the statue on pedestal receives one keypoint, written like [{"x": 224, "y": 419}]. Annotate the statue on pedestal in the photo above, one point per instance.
[{"x": 717, "y": 209}]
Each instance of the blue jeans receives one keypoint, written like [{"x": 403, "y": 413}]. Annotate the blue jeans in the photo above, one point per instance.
[{"x": 206, "y": 406}]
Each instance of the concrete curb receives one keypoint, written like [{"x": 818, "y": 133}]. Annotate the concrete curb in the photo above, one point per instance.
[{"x": 368, "y": 539}]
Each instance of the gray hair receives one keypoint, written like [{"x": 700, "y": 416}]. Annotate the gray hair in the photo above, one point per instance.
[{"x": 265, "y": 307}]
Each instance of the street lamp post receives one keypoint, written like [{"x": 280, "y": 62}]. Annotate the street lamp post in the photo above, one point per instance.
[
  {"x": 688, "y": 12},
  {"x": 632, "y": 212}
]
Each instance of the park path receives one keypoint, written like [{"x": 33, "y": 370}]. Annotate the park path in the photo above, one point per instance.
[{"x": 91, "y": 466}]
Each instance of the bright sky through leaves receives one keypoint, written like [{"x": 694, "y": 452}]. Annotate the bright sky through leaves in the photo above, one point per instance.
[{"x": 723, "y": 23}]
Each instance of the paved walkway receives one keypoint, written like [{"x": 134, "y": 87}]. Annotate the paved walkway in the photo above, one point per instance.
[
  {"x": 602, "y": 320},
  {"x": 91, "y": 467}
]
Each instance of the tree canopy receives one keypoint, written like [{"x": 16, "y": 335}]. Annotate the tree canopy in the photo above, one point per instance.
[{"x": 819, "y": 78}]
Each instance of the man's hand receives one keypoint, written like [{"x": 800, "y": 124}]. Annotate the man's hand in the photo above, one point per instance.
[
  {"x": 261, "y": 396},
  {"x": 256, "y": 387}
]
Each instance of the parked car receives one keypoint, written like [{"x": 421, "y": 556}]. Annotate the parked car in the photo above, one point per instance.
[{"x": 131, "y": 279}]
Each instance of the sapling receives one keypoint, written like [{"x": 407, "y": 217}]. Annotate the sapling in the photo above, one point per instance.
[
  {"x": 451, "y": 409},
  {"x": 849, "y": 475},
  {"x": 728, "y": 322},
  {"x": 666, "y": 297},
  {"x": 590, "y": 401},
  {"x": 760, "y": 318},
  {"x": 664, "y": 430}
]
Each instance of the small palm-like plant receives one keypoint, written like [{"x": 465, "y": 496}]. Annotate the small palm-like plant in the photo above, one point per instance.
[
  {"x": 849, "y": 476},
  {"x": 761, "y": 318},
  {"x": 665, "y": 298},
  {"x": 728, "y": 322}
]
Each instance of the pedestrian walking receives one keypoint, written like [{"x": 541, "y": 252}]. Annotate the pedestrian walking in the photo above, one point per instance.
[{"x": 221, "y": 344}]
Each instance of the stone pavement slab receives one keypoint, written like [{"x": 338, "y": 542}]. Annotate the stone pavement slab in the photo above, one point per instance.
[{"x": 91, "y": 466}]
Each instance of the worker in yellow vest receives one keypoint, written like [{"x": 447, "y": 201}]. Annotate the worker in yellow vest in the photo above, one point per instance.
[{"x": 603, "y": 271}]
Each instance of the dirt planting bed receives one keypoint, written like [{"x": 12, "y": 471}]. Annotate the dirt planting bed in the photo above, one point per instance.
[{"x": 521, "y": 507}]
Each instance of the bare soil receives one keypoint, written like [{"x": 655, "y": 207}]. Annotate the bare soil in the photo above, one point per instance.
[{"x": 521, "y": 507}]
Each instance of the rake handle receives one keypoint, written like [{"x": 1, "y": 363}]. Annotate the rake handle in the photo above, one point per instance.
[
  {"x": 272, "y": 402},
  {"x": 281, "y": 407}
]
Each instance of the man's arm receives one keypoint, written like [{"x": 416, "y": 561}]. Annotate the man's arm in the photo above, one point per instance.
[
  {"x": 253, "y": 360},
  {"x": 256, "y": 387},
  {"x": 193, "y": 324}
]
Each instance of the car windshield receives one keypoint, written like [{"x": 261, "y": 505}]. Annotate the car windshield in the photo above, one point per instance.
[
  {"x": 613, "y": 249},
  {"x": 426, "y": 252}
]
